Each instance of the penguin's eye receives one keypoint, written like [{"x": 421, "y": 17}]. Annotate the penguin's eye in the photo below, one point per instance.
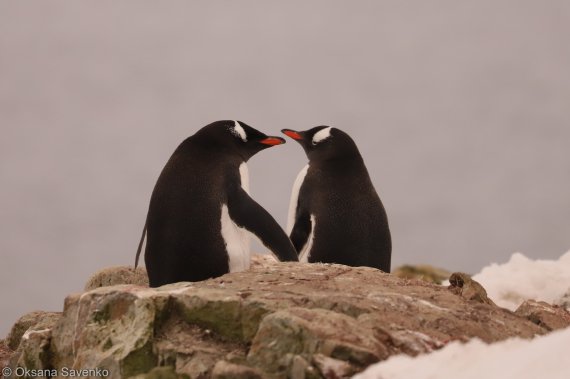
[
  {"x": 238, "y": 131},
  {"x": 322, "y": 135}
]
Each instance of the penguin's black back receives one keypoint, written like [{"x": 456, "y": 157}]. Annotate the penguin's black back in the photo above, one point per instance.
[
  {"x": 183, "y": 222},
  {"x": 199, "y": 213},
  {"x": 351, "y": 222}
]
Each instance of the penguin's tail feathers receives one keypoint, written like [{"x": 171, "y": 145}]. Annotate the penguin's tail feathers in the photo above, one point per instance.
[{"x": 139, "y": 249}]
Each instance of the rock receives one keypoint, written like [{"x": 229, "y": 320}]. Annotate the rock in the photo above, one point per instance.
[
  {"x": 462, "y": 285},
  {"x": 36, "y": 320},
  {"x": 30, "y": 337},
  {"x": 333, "y": 368},
  {"x": 262, "y": 260},
  {"x": 109, "y": 328},
  {"x": 301, "y": 369},
  {"x": 423, "y": 272},
  {"x": 278, "y": 320},
  {"x": 309, "y": 332},
  {"x": 113, "y": 276},
  {"x": 160, "y": 372},
  {"x": 545, "y": 315},
  {"x": 191, "y": 350},
  {"x": 33, "y": 351},
  {"x": 227, "y": 370},
  {"x": 5, "y": 354}
]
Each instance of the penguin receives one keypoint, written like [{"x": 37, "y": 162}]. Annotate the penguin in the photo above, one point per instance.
[
  {"x": 335, "y": 214},
  {"x": 200, "y": 212}
]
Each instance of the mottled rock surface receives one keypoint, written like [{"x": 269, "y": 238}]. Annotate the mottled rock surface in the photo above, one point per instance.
[
  {"x": 548, "y": 316},
  {"x": 424, "y": 272},
  {"x": 276, "y": 320},
  {"x": 111, "y": 276},
  {"x": 30, "y": 338},
  {"x": 5, "y": 354},
  {"x": 462, "y": 285},
  {"x": 36, "y": 320},
  {"x": 262, "y": 260}
]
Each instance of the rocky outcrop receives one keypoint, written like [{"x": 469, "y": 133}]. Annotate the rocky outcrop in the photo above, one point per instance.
[
  {"x": 461, "y": 284},
  {"x": 550, "y": 317},
  {"x": 112, "y": 276},
  {"x": 31, "y": 337},
  {"x": 5, "y": 354},
  {"x": 32, "y": 321},
  {"x": 423, "y": 272},
  {"x": 276, "y": 320}
]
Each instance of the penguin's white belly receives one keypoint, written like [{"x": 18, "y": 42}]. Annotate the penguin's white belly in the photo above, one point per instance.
[
  {"x": 244, "y": 177},
  {"x": 292, "y": 214},
  {"x": 237, "y": 239},
  {"x": 237, "y": 242},
  {"x": 306, "y": 250}
]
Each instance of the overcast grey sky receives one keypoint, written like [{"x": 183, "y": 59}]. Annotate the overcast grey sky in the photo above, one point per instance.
[{"x": 460, "y": 109}]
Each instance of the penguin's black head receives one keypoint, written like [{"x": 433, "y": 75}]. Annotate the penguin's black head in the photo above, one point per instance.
[
  {"x": 236, "y": 137},
  {"x": 324, "y": 142}
]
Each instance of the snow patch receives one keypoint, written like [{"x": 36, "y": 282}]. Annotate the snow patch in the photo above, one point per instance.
[
  {"x": 512, "y": 358},
  {"x": 508, "y": 285},
  {"x": 521, "y": 278}
]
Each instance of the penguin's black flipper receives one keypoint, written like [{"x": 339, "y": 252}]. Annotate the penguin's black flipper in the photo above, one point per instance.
[
  {"x": 301, "y": 231},
  {"x": 246, "y": 213}
]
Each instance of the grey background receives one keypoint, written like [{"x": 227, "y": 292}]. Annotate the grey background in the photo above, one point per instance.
[{"x": 460, "y": 109}]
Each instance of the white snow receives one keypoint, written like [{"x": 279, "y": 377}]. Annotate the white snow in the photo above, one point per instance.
[
  {"x": 521, "y": 278},
  {"x": 508, "y": 284},
  {"x": 542, "y": 357}
]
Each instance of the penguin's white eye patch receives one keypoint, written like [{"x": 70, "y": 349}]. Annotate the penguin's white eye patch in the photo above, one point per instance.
[
  {"x": 238, "y": 131},
  {"x": 322, "y": 135}
]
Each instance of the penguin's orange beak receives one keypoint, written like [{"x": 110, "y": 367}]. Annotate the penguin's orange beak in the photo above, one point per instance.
[
  {"x": 291, "y": 133},
  {"x": 272, "y": 141}
]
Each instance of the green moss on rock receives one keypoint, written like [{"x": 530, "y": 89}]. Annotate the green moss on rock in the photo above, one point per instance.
[
  {"x": 139, "y": 361},
  {"x": 222, "y": 316}
]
